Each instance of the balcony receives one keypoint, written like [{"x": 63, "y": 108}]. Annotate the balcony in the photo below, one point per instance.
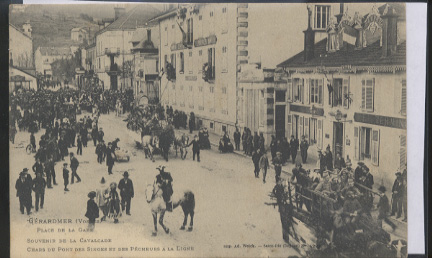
[
  {"x": 112, "y": 51},
  {"x": 112, "y": 70}
]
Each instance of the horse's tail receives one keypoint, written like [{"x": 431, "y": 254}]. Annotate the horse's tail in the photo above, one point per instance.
[{"x": 189, "y": 201}]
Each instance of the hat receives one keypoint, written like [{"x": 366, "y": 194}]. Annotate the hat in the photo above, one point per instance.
[
  {"x": 25, "y": 170},
  {"x": 319, "y": 150},
  {"x": 92, "y": 194},
  {"x": 71, "y": 154},
  {"x": 125, "y": 173},
  {"x": 298, "y": 163},
  {"x": 382, "y": 189},
  {"x": 22, "y": 173},
  {"x": 102, "y": 180},
  {"x": 398, "y": 174},
  {"x": 348, "y": 164},
  {"x": 160, "y": 167},
  {"x": 360, "y": 163},
  {"x": 278, "y": 153}
]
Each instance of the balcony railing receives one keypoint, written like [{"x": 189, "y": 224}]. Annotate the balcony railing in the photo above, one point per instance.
[{"x": 112, "y": 51}]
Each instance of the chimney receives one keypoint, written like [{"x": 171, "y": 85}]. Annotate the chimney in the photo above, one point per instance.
[
  {"x": 27, "y": 29},
  {"x": 309, "y": 38},
  {"x": 389, "y": 31},
  {"x": 119, "y": 11}
]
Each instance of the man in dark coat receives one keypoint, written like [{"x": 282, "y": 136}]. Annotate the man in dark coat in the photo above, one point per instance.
[
  {"x": 358, "y": 172},
  {"x": 397, "y": 191},
  {"x": 100, "y": 135},
  {"x": 49, "y": 172},
  {"x": 24, "y": 186},
  {"x": 37, "y": 167},
  {"x": 294, "y": 144},
  {"x": 273, "y": 147},
  {"x": 328, "y": 157},
  {"x": 109, "y": 158},
  {"x": 237, "y": 139},
  {"x": 39, "y": 185},
  {"x": 79, "y": 145},
  {"x": 74, "y": 163},
  {"x": 126, "y": 192},
  {"x": 339, "y": 162},
  {"x": 92, "y": 210},
  {"x": 384, "y": 208},
  {"x": 164, "y": 181},
  {"x": 244, "y": 140},
  {"x": 33, "y": 140},
  {"x": 301, "y": 177},
  {"x": 304, "y": 146},
  {"x": 255, "y": 141},
  {"x": 100, "y": 151},
  {"x": 94, "y": 135},
  {"x": 255, "y": 159},
  {"x": 195, "y": 148}
]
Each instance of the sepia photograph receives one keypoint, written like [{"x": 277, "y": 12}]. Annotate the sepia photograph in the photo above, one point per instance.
[{"x": 208, "y": 130}]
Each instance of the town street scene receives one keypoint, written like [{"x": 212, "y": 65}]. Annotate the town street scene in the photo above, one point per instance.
[{"x": 208, "y": 130}]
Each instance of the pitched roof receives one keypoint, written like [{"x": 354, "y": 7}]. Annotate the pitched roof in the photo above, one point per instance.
[
  {"x": 138, "y": 16},
  {"x": 55, "y": 51},
  {"x": 347, "y": 55},
  {"x": 22, "y": 32}
]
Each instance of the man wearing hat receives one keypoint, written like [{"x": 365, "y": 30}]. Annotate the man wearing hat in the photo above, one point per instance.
[
  {"x": 300, "y": 175},
  {"x": 100, "y": 151},
  {"x": 110, "y": 158},
  {"x": 24, "y": 191},
  {"x": 277, "y": 162},
  {"x": 94, "y": 135},
  {"x": 358, "y": 172},
  {"x": 320, "y": 162},
  {"x": 164, "y": 181},
  {"x": 304, "y": 146},
  {"x": 100, "y": 135},
  {"x": 397, "y": 195},
  {"x": 126, "y": 192},
  {"x": 294, "y": 144},
  {"x": 92, "y": 210},
  {"x": 39, "y": 185},
  {"x": 74, "y": 163},
  {"x": 384, "y": 208}
]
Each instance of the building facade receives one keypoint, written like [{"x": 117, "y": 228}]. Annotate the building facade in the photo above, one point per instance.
[
  {"x": 201, "y": 48},
  {"x": 45, "y": 56},
  {"x": 21, "y": 47},
  {"x": 80, "y": 35},
  {"x": 352, "y": 97}
]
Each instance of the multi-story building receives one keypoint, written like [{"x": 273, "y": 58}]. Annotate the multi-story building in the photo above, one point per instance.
[
  {"x": 201, "y": 48},
  {"x": 45, "y": 56},
  {"x": 145, "y": 63},
  {"x": 351, "y": 96},
  {"x": 80, "y": 35},
  {"x": 113, "y": 46}
]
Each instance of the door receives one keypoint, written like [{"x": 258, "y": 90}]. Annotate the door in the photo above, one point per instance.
[
  {"x": 337, "y": 138},
  {"x": 280, "y": 121},
  {"x": 295, "y": 126}
]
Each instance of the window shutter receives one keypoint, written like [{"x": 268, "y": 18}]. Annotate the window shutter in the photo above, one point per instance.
[
  {"x": 300, "y": 134},
  {"x": 302, "y": 95},
  {"x": 330, "y": 94},
  {"x": 289, "y": 89},
  {"x": 369, "y": 97},
  {"x": 308, "y": 91},
  {"x": 403, "y": 98},
  {"x": 320, "y": 91},
  {"x": 402, "y": 153},
  {"x": 345, "y": 93},
  {"x": 375, "y": 147},
  {"x": 356, "y": 143},
  {"x": 320, "y": 131},
  {"x": 363, "y": 105},
  {"x": 289, "y": 126},
  {"x": 306, "y": 128}
]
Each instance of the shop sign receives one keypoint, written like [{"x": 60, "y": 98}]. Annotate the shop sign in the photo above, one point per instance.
[
  {"x": 386, "y": 121},
  {"x": 205, "y": 41}
]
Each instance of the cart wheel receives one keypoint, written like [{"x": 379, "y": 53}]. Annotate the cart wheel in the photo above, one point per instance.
[{"x": 29, "y": 149}]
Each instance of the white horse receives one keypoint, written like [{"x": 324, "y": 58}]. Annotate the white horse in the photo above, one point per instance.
[
  {"x": 185, "y": 199},
  {"x": 150, "y": 143}
]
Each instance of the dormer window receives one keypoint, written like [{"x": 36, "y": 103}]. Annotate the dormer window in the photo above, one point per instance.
[{"x": 322, "y": 14}]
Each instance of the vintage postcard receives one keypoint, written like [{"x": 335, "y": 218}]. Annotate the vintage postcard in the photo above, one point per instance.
[{"x": 208, "y": 130}]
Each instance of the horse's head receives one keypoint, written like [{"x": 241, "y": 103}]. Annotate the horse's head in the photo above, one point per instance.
[{"x": 152, "y": 191}]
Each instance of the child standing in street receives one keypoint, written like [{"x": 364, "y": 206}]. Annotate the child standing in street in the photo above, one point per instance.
[
  {"x": 92, "y": 210},
  {"x": 65, "y": 176}
]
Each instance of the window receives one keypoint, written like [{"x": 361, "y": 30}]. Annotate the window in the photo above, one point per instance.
[
  {"x": 346, "y": 93},
  {"x": 224, "y": 59},
  {"x": 181, "y": 68},
  {"x": 189, "y": 35},
  {"x": 316, "y": 90},
  {"x": 365, "y": 142},
  {"x": 336, "y": 94},
  {"x": 289, "y": 89},
  {"x": 166, "y": 36},
  {"x": 368, "y": 94},
  {"x": 298, "y": 89},
  {"x": 403, "y": 98},
  {"x": 313, "y": 131},
  {"x": 173, "y": 60},
  {"x": 211, "y": 14},
  {"x": 322, "y": 15},
  {"x": 200, "y": 53},
  {"x": 165, "y": 61},
  {"x": 211, "y": 125},
  {"x": 211, "y": 63},
  {"x": 375, "y": 147},
  {"x": 224, "y": 10},
  {"x": 200, "y": 17},
  {"x": 261, "y": 108},
  {"x": 224, "y": 90},
  {"x": 280, "y": 96},
  {"x": 402, "y": 152},
  {"x": 190, "y": 63},
  {"x": 212, "y": 89}
]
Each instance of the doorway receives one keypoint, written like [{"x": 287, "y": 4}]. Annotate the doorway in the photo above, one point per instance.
[
  {"x": 338, "y": 138},
  {"x": 280, "y": 121}
]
